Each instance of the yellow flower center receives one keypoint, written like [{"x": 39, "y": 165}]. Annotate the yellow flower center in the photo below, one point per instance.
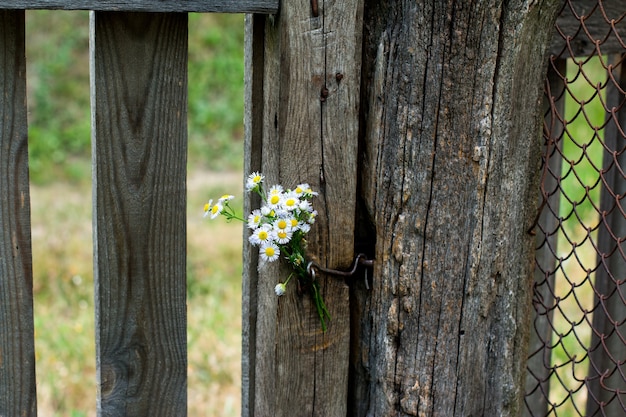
[
  {"x": 274, "y": 199},
  {"x": 290, "y": 202},
  {"x": 282, "y": 234},
  {"x": 263, "y": 235},
  {"x": 269, "y": 251},
  {"x": 256, "y": 179},
  {"x": 206, "y": 207},
  {"x": 282, "y": 224},
  {"x": 215, "y": 209},
  {"x": 294, "y": 222}
]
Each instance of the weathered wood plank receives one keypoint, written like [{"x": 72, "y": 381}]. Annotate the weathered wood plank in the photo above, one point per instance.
[
  {"x": 309, "y": 134},
  {"x": 222, "y": 6},
  {"x": 253, "y": 124},
  {"x": 606, "y": 384},
  {"x": 17, "y": 349},
  {"x": 139, "y": 111},
  {"x": 450, "y": 179},
  {"x": 597, "y": 17}
]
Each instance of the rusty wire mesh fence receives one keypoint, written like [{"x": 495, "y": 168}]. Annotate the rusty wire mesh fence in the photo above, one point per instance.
[{"x": 577, "y": 355}]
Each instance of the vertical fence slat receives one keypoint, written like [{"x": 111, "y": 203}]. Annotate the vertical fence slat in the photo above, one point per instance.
[
  {"x": 139, "y": 111},
  {"x": 308, "y": 133},
  {"x": 607, "y": 354},
  {"x": 537, "y": 379},
  {"x": 17, "y": 351},
  {"x": 253, "y": 101}
]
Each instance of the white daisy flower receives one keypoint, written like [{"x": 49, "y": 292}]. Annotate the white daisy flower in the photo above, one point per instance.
[
  {"x": 282, "y": 236},
  {"x": 282, "y": 224},
  {"x": 275, "y": 189},
  {"x": 269, "y": 252},
  {"x": 213, "y": 210},
  {"x": 301, "y": 188},
  {"x": 274, "y": 200},
  {"x": 254, "y": 219},
  {"x": 293, "y": 222},
  {"x": 291, "y": 202},
  {"x": 225, "y": 198},
  {"x": 261, "y": 235},
  {"x": 253, "y": 181}
]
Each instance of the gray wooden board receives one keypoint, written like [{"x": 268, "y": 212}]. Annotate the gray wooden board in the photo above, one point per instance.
[
  {"x": 17, "y": 350},
  {"x": 307, "y": 132},
  {"x": 139, "y": 112},
  {"x": 253, "y": 122},
  {"x": 450, "y": 180},
  {"x": 223, "y": 6}
]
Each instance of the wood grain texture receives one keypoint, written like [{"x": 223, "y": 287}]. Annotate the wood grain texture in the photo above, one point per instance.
[
  {"x": 309, "y": 132},
  {"x": 253, "y": 125},
  {"x": 450, "y": 179},
  {"x": 222, "y": 6},
  {"x": 139, "y": 111},
  {"x": 17, "y": 350}
]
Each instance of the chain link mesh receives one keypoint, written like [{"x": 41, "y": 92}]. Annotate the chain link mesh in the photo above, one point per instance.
[{"x": 577, "y": 355}]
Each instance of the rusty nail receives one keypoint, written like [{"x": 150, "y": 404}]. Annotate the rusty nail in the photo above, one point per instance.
[
  {"x": 314, "y": 8},
  {"x": 323, "y": 94}
]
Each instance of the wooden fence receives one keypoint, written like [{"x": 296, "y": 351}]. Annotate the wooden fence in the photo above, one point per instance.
[
  {"x": 139, "y": 102},
  {"x": 139, "y": 114}
]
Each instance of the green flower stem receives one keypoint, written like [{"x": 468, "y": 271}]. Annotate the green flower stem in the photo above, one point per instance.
[
  {"x": 230, "y": 214},
  {"x": 322, "y": 311},
  {"x": 318, "y": 300}
]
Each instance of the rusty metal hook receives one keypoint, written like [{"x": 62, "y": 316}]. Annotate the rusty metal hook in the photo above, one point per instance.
[{"x": 360, "y": 259}]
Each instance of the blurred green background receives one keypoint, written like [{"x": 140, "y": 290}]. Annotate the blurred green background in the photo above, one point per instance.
[
  {"x": 58, "y": 93},
  {"x": 59, "y": 151}
]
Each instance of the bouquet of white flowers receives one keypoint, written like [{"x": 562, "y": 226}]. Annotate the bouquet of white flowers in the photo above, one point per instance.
[{"x": 278, "y": 228}]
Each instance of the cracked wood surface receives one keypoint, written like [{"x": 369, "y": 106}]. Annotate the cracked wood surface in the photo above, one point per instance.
[{"x": 449, "y": 179}]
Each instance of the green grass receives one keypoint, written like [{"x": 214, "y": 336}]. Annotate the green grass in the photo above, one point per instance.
[{"x": 59, "y": 151}]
